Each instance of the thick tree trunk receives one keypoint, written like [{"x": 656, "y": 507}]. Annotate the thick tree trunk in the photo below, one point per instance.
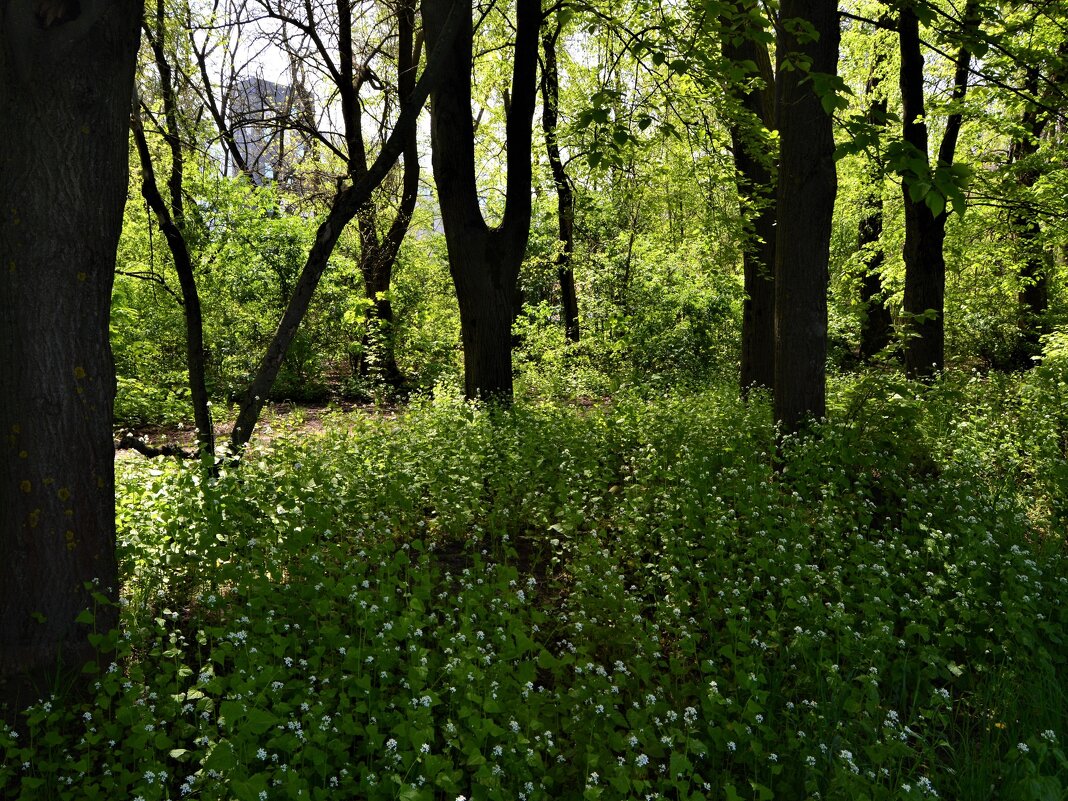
[
  {"x": 806, "y": 193},
  {"x": 756, "y": 187},
  {"x": 66, "y": 82},
  {"x": 565, "y": 195},
  {"x": 925, "y": 267},
  {"x": 484, "y": 262}
]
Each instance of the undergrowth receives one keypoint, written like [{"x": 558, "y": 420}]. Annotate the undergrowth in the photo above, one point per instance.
[{"x": 634, "y": 600}]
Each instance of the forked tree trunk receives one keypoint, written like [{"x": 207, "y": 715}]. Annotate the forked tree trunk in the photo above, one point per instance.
[
  {"x": 925, "y": 233},
  {"x": 807, "y": 187},
  {"x": 484, "y": 262},
  {"x": 66, "y": 82}
]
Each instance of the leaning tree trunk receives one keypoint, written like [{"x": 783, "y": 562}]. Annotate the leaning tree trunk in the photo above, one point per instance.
[
  {"x": 756, "y": 185},
  {"x": 484, "y": 262},
  {"x": 343, "y": 208},
  {"x": 806, "y": 193},
  {"x": 66, "y": 81}
]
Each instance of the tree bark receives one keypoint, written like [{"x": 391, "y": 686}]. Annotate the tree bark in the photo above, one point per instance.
[
  {"x": 565, "y": 195},
  {"x": 756, "y": 188},
  {"x": 484, "y": 262},
  {"x": 66, "y": 81},
  {"x": 925, "y": 233},
  {"x": 806, "y": 194},
  {"x": 876, "y": 324}
]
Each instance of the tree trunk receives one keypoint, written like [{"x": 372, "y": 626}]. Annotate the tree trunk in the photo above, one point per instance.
[
  {"x": 1033, "y": 297},
  {"x": 876, "y": 323},
  {"x": 925, "y": 233},
  {"x": 194, "y": 319},
  {"x": 172, "y": 224},
  {"x": 565, "y": 195},
  {"x": 756, "y": 188},
  {"x": 66, "y": 81},
  {"x": 806, "y": 193},
  {"x": 343, "y": 208},
  {"x": 379, "y": 256},
  {"x": 484, "y": 262}
]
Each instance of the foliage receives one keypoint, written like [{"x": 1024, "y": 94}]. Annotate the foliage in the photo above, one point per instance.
[{"x": 627, "y": 600}]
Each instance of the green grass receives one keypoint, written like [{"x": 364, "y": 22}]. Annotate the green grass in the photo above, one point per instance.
[{"x": 621, "y": 602}]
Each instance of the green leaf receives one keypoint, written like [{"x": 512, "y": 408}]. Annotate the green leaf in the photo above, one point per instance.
[{"x": 935, "y": 202}]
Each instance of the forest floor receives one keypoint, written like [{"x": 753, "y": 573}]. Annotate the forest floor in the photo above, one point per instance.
[{"x": 277, "y": 418}]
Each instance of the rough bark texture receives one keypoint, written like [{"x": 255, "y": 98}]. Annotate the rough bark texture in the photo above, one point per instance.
[
  {"x": 484, "y": 262},
  {"x": 806, "y": 193},
  {"x": 756, "y": 185},
  {"x": 66, "y": 80},
  {"x": 925, "y": 233},
  {"x": 565, "y": 195},
  {"x": 344, "y": 207}
]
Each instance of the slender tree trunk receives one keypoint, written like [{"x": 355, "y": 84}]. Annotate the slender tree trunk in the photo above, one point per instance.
[
  {"x": 756, "y": 186},
  {"x": 378, "y": 256},
  {"x": 876, "y": 324},
  {"x": 565, "y": 195},
  {"x": 1033, "y": 297},
  {"x": 806, "y": 193},
  {"x": 925, "y": 233},
  {"x": 484, "y": 262},
  {"x": 172, "y": 224},
  {"x": 344, "y": 207},
  {"x": 66, "y": 81},
  {"x": 194, "y": 320}
]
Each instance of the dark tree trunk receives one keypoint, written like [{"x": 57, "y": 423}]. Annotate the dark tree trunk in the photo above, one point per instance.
[
  {"x": 344, "y": 207},
  {"x": 756, "y": 188},
  {"x": 378, "y": 256},
  {"x": 876, "y": 324},
  {"x": 565, "y": 195},
  {"x": 1033, "y": 298},
  {"x": 876, "y": 320},
  {"x": 172, "y": 224},
  {"x": 194, "y": 320},
  {"x": 925, "y": 233},
  {"x": 484, "y": 262},
  {"x": 66, "y": 82},
  {"x": 806, "y": 193}
]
